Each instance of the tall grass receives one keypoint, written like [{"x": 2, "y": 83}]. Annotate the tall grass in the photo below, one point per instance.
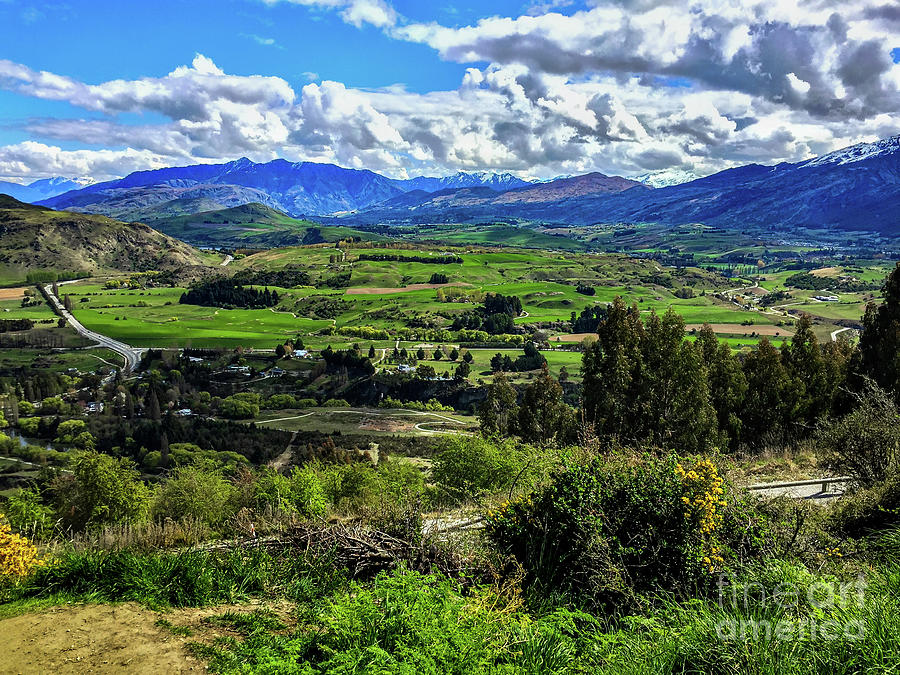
[{"x": 181, "y": 579}]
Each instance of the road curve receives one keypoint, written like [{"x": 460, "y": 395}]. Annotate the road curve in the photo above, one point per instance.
[{"x": 132, "y": 355}]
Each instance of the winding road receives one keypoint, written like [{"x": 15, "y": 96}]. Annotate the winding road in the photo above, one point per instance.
[{"x": 132, "y": 355}]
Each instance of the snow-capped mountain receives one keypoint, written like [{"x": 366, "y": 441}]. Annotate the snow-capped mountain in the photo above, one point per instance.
[
  {"x": 857, "y": 153},
  {"x": 666, "y": 177},
  {"x": 43, "y": 188},
  {"x": 499, "y": 182}
]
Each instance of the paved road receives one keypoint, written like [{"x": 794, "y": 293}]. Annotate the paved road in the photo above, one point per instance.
[
  {"x": 132, "y": 355},
  {"x": 837, "y": 332},
  {"x": 228, "y": 259},
  {"x": 788, "y": 489}
]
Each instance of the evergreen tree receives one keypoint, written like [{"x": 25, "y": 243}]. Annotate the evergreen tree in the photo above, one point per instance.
[
  {"x": 498, "y": 413},
  {"x": 371, "y": 351},
  {"x": 542, "y": 416},
  {"x": 609, "y": 369},
  {"x": 879, "y": 344},
  {"x": 153, "y": 410},
  {"x": 769, "y": 399},
  {"x": 727, "y": 384}
]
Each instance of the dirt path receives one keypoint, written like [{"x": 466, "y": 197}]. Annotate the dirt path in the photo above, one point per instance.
[
  {"x": 284, "y": 458},
  {"x": 93, "y": 639}
]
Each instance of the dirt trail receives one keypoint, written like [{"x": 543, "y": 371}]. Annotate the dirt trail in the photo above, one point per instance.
[{"x": 93, "y": 639}]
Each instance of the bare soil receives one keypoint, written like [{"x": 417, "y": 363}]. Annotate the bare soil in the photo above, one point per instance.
[
  {"x": 402, "y": 289},
  {"x": 93, "y": 639},
  {"x": 826, "y": 272},
  {"x": 122, "y": 638},
  {"x": 385, "y": 424},
  {"x": 12, "y": 293}
]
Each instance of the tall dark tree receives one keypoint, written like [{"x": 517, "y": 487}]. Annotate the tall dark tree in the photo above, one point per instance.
[
  {"x": 770, "y": 398},
  {"x": 879, "y": 345},
  {"x": 727, "y": 384},
  {"x": 543, "y": 417},
  {"x": 498, "y": 413},
  {"x": 153, "y": 410},
  {"x": 610, "y": 367}
]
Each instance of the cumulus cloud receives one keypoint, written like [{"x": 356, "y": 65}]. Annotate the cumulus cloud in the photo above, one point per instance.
[{"x": 623, "y": 87}]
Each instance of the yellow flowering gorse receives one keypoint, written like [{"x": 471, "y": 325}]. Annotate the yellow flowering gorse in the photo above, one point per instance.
[
  {"x": 704, "y": 500},
  {"x": 18, "y": 557}
]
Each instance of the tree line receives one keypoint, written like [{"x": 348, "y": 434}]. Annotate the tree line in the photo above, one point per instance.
[{"x": 229, "y": 294}]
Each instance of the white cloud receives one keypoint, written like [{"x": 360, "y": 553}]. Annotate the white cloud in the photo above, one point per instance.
[
  {"x": 356, "y": 12},
  {"x": 626, "y": 86}
]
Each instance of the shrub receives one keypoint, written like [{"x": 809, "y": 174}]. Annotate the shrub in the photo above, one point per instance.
[
  {"x": 18, "y": 557},
  {"x": 866, "y": 443},
  {"x": 868, "y": 509},
  {"x": 26, "y": 512},
  {"x": 199, "y": 492},
  {"x": 616, "y": 527},
  {"x": 336, "y": 403},
  {"x": 237, "y": 409},
  {"x": 101, "y": 490},
  {"x": 301, "y": 492},
  {"x": 471, "y": 467}
]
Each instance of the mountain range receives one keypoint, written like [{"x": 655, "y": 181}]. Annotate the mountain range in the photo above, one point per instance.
[
  {"x": 850, "y": 189},
  {"x": 42, "y": 189},
  {"x": 853, "y": 189}
]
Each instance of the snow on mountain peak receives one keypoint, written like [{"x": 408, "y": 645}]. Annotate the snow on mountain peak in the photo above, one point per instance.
[
  {"x": 666, "y": 177},
  {"x": 858, "y": 152}
]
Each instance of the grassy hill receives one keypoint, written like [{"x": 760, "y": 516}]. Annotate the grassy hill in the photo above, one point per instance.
[
  {"x": 254, "y": 225},
  {"x": 36, "y": 238}
]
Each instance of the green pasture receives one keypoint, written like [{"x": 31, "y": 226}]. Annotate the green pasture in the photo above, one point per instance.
[{"x": 83, "y": 360}]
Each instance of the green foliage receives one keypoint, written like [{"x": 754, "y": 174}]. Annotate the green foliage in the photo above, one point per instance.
[
  {"x": 186, "y": 579},
  {"x": 864, "y": 444},
  {"x": 74, "y": 433},
  {"x": 197, "y": 492},
  {"x": 27, "y": 513},
  {"x": 336, "y": 403},
  {"x": 102, "y": 490},
  {"x": 615, "y": 528},
  {"x": 301, "y": 492},
  {"x": 471, "y": 467},
  {"x": 236, "y": 408},
  {"x": 647, "y": 384},
  {"x": 432, "y": 405}
]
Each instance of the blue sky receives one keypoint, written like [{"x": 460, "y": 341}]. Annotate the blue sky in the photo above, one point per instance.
[{"x": 404, "y": 87}]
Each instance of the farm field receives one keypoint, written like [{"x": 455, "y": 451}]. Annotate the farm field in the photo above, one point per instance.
[
  {"x": 83, "y": 360},
  {"x": 386, "y": 299}
]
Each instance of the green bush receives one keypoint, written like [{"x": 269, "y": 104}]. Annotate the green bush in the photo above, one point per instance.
[
  {"x": 301, "y": 492},
  {"x": 407, "y": 623},
  {"x": 238, "y": 409},
  {"x": 470, "y": 467},
  {"x": 197, "y": 492},
  {"x": 101, "y": 490},
  {"x": 336, "y": 403},
  {"x": 866, "y": 443},
  {"x": 617, "y": 527},
  {"x": 27, "y": 513},
  {"x": 868, "y": 509}
]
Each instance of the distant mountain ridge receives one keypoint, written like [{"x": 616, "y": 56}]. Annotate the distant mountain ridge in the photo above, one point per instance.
[
  {"x": 299, "y": 189},
  {"x": 851, "y": 189},
  {"x": 42, "y": 189}
]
